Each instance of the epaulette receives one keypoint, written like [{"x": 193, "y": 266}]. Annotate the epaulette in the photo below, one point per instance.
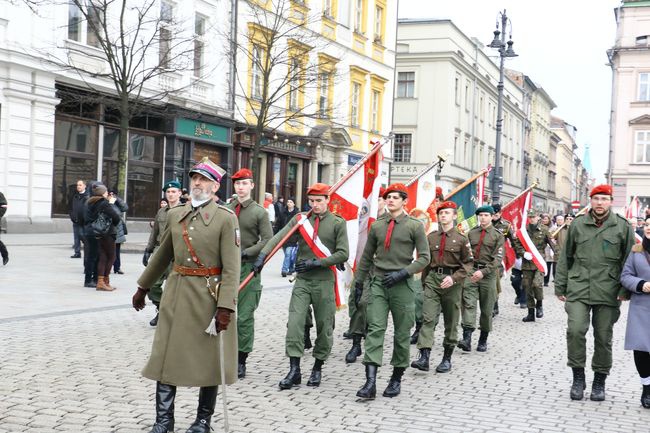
[
  {"x": 622, "y": 217},
  {"x": 225, "y": 208}
]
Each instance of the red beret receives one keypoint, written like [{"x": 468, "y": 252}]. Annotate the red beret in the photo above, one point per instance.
[
  {"x": 446, "y": 205},
  {"x": 601, "y": 189},
  {"x": 396, "y": 187},
  {"x": 439, "y": 194},
  {"x": 382, "y": 191},
  {"x": 244, "y": 173},
  {"x": 319, "y": 189}
]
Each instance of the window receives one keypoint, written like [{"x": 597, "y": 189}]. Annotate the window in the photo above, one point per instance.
[
  {"x": 199, "y": 44},
  {"x": 358, "y": 16},
  {"x": 378, "y": 24},
  {"x": 644, "y": 88},
  {"x": 165, "y": 43},
  {"x": 642, "y": 40},
  {"x": 354, "y": 109},
  {"x": 374, "y": 117},
  {"x": 467, "y": 95},
  {"x": 294, "y": 84},
  {"x": 481, "y": 107},
  {"x": 457, "y": 89},
  {"x": 166, "y": 12},
  {"x": 642, "y": 147},
  {"x": 327, "y": 8},
  {"x": 74, "y": 22},
  {"x": 256, "y": 85},
  {"x": 94, "y": 25},
  {"x": 323, "y": 97},
  {"x": 405, "y": 84},
  {"x": 402, "y": 148}
]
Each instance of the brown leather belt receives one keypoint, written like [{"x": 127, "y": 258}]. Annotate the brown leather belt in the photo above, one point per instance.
[{"x": 197, "y": 272}]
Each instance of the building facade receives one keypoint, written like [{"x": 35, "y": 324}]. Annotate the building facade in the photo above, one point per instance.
[
  {"x": 629, "y": 147},
  {"x": 566, "y": 185}
]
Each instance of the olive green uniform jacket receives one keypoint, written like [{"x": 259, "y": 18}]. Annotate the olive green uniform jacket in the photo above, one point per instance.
[
  {"x": 541, "y": 237},
  {"x": 491, "y": 252},
  {"x": 255, "y": 227},
  {"x": 183, "y": 354}
]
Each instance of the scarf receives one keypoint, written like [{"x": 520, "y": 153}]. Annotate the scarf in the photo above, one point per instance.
[
  {"x": 599, "y": 220},
  {"x": 196, "y": 203}
]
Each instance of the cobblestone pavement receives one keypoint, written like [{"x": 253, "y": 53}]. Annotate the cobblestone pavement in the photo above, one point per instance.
[{"x": 70, "y": 360}]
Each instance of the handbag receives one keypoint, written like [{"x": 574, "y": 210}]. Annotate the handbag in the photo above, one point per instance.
[{"x": 102, "y": 225}]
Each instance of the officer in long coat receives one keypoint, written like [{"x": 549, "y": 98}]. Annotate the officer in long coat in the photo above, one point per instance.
[
  {"x": 202, "y": 238},
  {"x": 532, "y": 278},
  {"x": 256, "y": 231},
  {"x": 588, "y": 274}
]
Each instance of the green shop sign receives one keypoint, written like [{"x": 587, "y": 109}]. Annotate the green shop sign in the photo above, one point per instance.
[{"x": 201, "y": 130}]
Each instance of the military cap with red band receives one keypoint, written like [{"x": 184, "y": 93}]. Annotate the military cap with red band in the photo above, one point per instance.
[
  {"x": 244, "y": 173},
  {"x": 208, "y": 169},
  {"x": 396, "y": 187},
  {"x": 319, "y": 189},
  {"x": 446, "y": 205},
  {"x": 601, "y": 189}
]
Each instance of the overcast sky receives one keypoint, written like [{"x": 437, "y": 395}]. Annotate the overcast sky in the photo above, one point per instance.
[{"x": 561, "y": 45}]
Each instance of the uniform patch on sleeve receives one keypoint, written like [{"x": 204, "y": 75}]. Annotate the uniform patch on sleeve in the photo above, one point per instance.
[{"x": 237, "y": 237}]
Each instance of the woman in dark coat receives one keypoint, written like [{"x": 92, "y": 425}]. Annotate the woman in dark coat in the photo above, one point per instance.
[
  {"x": 120, "y": 207},
  {"x": 636, "y": 278},
  {"x": 290, "y": 247},
  {"x": 96, "y": 205}
]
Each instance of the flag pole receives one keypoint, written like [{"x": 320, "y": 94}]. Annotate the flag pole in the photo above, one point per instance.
[
  {"x": 582, "y": 212},
  {"x": 375, "y": 148},
  {"x": 520, "y": 194},
  {"x": 467, "y": 182},
  {"x": 428, "y": 168}
]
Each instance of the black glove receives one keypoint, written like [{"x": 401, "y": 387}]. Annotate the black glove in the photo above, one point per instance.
[
  {"x": 145, "y": 257},
  {"x": 307, "y": 265},
  {"x": 259, "y": 263},
  {"x": 358, "y": 291},
  {"x": 138, "y": 299},
  {"x": 340, "y": 266},
  {"x": 393, "y": 278},
  {"x": 244, "y": 254},
  {"x": 4, "y": 253}
]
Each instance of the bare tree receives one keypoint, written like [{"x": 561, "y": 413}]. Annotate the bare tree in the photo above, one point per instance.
[{"x": 287, "y": 67}]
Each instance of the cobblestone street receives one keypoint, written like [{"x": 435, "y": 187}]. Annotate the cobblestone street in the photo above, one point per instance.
[{"x": 71, "y": 359}]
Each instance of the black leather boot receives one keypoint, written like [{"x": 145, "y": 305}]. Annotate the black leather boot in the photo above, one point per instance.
[
  {"x": 241, "y": 365},
  {"x": 355, "y": 351},
  {"x": 293, "y": 377},
  {"x": 578, "y": 386},
  {"x": 645, "y": 397},
  {"x": 540, "y": 310},
  {"x": 466, "y": 343},
  {"x": 347, "y": 335},
  {"x": 416, "y": 333},
  {"x": 530, "y": 317},
  {"x": 314, "y": 378},
  {"x": 395, "y": 383},
  {"x": 495, "y": 309},
  {"x": 445, "y": 364},
  {"x": 207, "y": 400},
  {"x": 422, "y": 362},
  {"x": 598, "y": 387},
  {"x": 308, "y": 344},
  {"x": 154, "y": 321},
  {"x": 165, "y": 395},
  {"x": 482, "y": 342},
  {"x": 369, "y": 389}
]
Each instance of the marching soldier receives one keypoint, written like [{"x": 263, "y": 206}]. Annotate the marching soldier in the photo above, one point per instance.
[
  {"x": 388, "y": 257},
  {"x": 172, "y": 190},
  {"x": 322, "y": 245},
  {"x": 532, "y": 278},
  {"x": 202, "y": 240},
  {"x": 451, "y": 261},
  {"x": 590, "y": 266},
  {"x": 505, "y": 228},
  {"x": 487, "y": 247},
  {"x": 256, "y": 231}
]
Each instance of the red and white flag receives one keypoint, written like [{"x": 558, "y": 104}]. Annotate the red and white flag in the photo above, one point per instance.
[
  {"x": 637, "y": 238},
  {"x": 422, "y": 201},
  {"x": 526, "y": 241},
  {"x": 632, "y": 210},
  {"x": 514, "y": 213}
]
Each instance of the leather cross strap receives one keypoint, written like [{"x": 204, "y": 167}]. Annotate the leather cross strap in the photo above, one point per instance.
[
  {"x": 186, "y": 238},
  {"x": 197, "y": 272}
]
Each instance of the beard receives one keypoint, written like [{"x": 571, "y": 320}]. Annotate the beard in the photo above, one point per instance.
[{"x": 199, "y": 194}]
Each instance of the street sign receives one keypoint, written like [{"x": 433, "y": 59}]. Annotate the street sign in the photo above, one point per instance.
[{"x": 575, "y": 205}]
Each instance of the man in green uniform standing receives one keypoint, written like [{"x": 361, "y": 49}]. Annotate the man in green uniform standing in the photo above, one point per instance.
[
  {"x": 256, "y": 230},
  {"x": 323, "y": 244},
  {"x": 388, "y": 258},
  {"x": 505, "y": 228},
  {"x": 532, "y": 278},
  {"x": 487, "y": 247},
  {"x": 172, "y": 190},
  {"x": 590, "y": 266},
  {"x": 451, "y": 261}
]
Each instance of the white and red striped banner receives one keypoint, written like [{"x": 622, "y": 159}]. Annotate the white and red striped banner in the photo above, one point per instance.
[
  {"x": 637, "y": 238},
  {"x": 632, "y": 210},
  {"x": 526, "y": 241}
]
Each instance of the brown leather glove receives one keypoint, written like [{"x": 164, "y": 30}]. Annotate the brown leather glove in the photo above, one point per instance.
[
  {"x": 138, "y": 298},
  {"x": 222, "y": 318}
]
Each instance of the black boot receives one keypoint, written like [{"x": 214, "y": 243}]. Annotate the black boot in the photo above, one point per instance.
[
  {"x": 598, "y": 387},
  {"x": 207, "y": 400},
  {"x": 308, "y": 344},
  {"x": 530, "y": 317},
  {"x": 416, "y": 333},
  {"x": 422, "y": 362},
  {"x": 445, "y": 364},
  {"x": 482, "y": 342},
  {"x": 540, "y": 310},
  {"x": 466, "y": 342},
  {"x": 645, "y": 397},
  {"x": 578, "y": 386},
  {"x": 369, "y": 389},
  {"x": 355, "y": 351},
  {"x": 395, "y": 383},
  {"x": 314, "y": 378},
  {"x": 347, "y": 335},
  {"x": 495, "y": 309},
  {"x": 165, "y": 395},
  {"x": 293, "y": 377},
  {"x": 154, "y": 321},
  {"x": 241, "y": 365}
]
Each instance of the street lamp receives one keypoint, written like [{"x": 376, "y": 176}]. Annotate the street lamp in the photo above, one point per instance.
[{"x": 505, "y": 50}]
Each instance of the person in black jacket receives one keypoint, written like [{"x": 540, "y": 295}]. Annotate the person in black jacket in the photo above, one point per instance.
[
  {"x": 96, "y": 205},
  {"x": 3, "y": 249},
  {"x": 290, "y": 247},
  {"x": 76, "y": 202}
]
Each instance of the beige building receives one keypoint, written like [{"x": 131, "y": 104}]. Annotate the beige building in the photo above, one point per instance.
[
  {"x": 629, "y": 148},
  {"x": 566, "y": 178}
]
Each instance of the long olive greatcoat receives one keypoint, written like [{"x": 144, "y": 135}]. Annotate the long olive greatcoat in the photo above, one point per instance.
[{"x": 183, "y": 354}]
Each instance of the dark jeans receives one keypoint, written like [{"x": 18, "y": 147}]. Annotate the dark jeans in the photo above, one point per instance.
[
  {"x": 78, "y": 234},
  {"x": 642, "y": 362},
  {"x": 515, "y": 280},
  {"x": 91, "y": 255},
  {"x": 117, "y": 265},
  {"x": 547, "y": 277},
  {"x": 106, "y": 246}
]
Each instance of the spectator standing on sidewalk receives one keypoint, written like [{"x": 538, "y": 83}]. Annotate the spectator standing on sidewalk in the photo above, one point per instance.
[
  {"x": 99, "y": 207},
  {"x": 3, "y": 249},
  {"x": 120, "y": 207},
  {"x": 76, "y": 203},
  {"x": 290, "y": 247}
]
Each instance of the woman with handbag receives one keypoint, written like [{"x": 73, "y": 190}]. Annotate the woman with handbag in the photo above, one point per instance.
[
  {"x": 120, "y": 207},
  {"x": 101, "y": 221}
]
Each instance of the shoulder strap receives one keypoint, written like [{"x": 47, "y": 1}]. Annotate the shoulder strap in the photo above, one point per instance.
[{"x": 186, "y": 238}]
